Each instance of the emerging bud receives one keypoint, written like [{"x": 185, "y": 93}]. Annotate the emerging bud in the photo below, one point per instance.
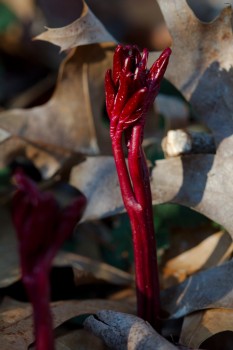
[
  {"x": 131, "y": 88},
  {"x": 41, "y": 225}
]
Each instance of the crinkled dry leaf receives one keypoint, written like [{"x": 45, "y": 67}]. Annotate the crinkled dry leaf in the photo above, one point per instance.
[
  {"x": 213, "y": 251},
  {"x": 174, "y": 110},
  {"x": 201, "y": 69},
  {"x": 85, "y": 30},
  {"x": 78, "y": 339},
  {"x": 121, "y": 331},
  {"x": 97, "y": 179},
  {"x": 48, "y": 160},
  {"x": 16, "y": 326},
  {"x": 16, "y": 322},
  {"x": 71, "y": 119},
  {"x": 65, "y": 310},
  {"x": 208, "y": 289},
  {"x": 87, "y": 270},
  {"x": 200, "y": 65},
  {"x": 4, "y": 135},
  {"x": 201, "y": 182},
  {"x": 203, "y": 324}
]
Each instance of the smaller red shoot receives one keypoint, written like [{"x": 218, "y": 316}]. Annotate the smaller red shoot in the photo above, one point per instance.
[{"x": 41, "y": 227}]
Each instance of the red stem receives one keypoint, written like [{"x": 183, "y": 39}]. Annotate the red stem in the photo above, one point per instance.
[
  {"x": 141, "y": 184},
  {"x": 132, "y": 208},
  {"x": 138, "y": 203},
  {"x": 38, "y": 288}
]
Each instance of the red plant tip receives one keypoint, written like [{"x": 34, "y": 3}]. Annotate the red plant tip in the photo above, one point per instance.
[
  {"x": 159, "y": 66},
  {"x": 41, "y": 225},
  {"x": 130, "y": 75}
]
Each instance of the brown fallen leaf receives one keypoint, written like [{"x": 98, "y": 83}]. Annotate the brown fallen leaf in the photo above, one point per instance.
[
  {"x": 174, "y": 110},
  {"x": 64, "y": 310},
  {"x": 48, "y": 160},
  {"x": 78, "y": 338},
  {"x": 201, "y": 68},
  {"x": 97, "y": 179},
  {"x": 87, "y": 270},
  {"x": 201, "y": 182},
  {"x": 121, "y": 331},
  {"x": 211, "y": 252},
  {"x": 4, "y": 135},
  {"x": 208, "y": 289},
  {"x": 16, "y": 325},
  {"x": 16, "y": 322},
  {"x": 71, "y": 119},
  {"x": 85, "y": 30},
  {"x": 201, "y": 325}
]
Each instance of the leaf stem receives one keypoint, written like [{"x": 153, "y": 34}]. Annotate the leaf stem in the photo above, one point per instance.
[
  {"x": 38, "y": 288},
  {"x": 132, "y": 208},
  {"x": 136, "y": 194},
  {"x": 141, "y": 184}
]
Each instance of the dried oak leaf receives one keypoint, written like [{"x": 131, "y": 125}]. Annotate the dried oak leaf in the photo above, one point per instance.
[
  {"x": 16, "y": 321},
  {"x": 97, "y": 179},
  {"x": 203, "y": 73},
  {"x": 121, "y": 331},
  {"x": 211, "y": 252},
  {"x": 85, "y": 30},
  {"x": 201, "y": 325},
  {"x": 208, "y": 289},
  {"x": 174, "y": 110},
  {"x": 71, "y": 119},
  {"x": 48, "y": 160},
  {"x": 4, "y": 135},
  {"x": 78, "y": 338},
  {"x": 203, "y": 70},
  {"x": 87, "y": 270},
  {"x": 201, "y": 182}
]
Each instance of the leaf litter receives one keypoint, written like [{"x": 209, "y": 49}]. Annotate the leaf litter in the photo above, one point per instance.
[
  {"x": 201, "y": 325},
  {"x": 212, "y": 251},
  {"x": 85, "y": 30},
  {"x": 202, "y": 182},
  {"x": 17, "y": 322},
  {"x": 80, "y": 81}
]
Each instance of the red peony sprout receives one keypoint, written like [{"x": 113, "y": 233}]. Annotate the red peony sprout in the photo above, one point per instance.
[
  {"x": 41, "y": 226},
  {"x": 130, "y": 91}
]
